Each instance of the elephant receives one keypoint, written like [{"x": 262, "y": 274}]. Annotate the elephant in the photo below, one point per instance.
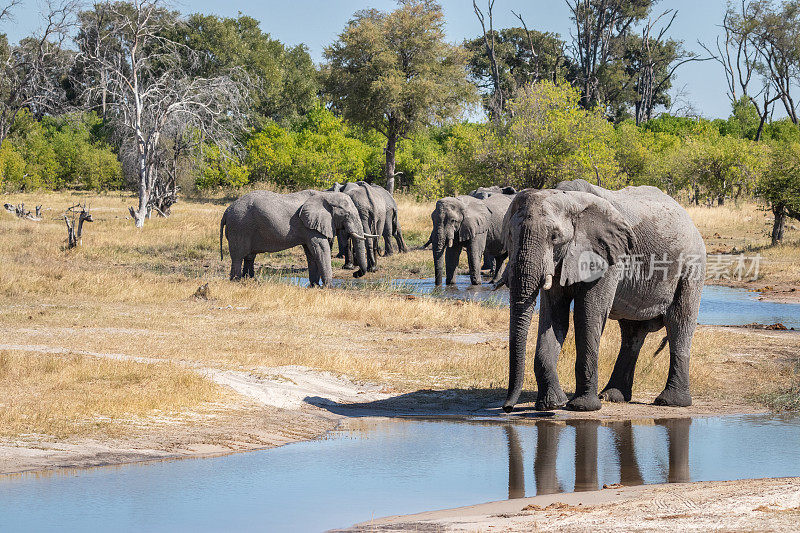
[
  {"x": 485, "y": 192},
  {"x": 264, "y": 221},
  {"x": 578, "y": 243},
  {"x": 466, "y": 221},
  {"x": 391, "y": 228},
  {"x": 371, "y": 208}
]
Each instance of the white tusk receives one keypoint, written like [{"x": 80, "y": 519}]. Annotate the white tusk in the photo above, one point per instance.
[
  {"x": 548, "y": 282},
  {"x": 359, "y": 237},
  {"x": 371, "y": 236}
]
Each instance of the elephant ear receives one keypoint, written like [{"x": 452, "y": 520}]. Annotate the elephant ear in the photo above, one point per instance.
[
  {"x": 476, "y": 220},
  {"x": 316, "y": 215},
  {"x": 602, "y": 236}
]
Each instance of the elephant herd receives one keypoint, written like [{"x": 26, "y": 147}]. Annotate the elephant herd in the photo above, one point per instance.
[{"x": 632, "y": 255}]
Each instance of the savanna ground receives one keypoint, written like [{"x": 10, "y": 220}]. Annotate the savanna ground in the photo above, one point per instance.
[{"x": 108, "y": 353}]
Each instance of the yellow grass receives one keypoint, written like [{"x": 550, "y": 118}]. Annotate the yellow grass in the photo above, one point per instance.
[
  {"x": 69, "y": 395},
  {"x": 130, "y": 291}
]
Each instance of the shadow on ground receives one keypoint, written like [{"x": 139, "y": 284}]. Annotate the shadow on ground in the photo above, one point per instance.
[{"x": 435, "y": 403}]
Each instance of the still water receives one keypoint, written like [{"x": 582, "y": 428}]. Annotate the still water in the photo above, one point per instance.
[{"x": 397, "y": 466}]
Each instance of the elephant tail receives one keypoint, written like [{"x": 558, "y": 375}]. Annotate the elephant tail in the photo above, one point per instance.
[
  {"x": 221, "y": 233},
  {"x": 661, "y": 346}
]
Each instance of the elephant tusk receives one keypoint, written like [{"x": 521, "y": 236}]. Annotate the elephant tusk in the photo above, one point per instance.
[
  {"x": 371, "y": 236},
  {"x": 548, "y": 282},
  {"x": 359, "y": 237}
]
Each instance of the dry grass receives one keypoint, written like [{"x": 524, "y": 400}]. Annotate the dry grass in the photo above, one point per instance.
[
  {"x": 130, "y": 291},
  {"x": 746, "y": 229},
  {"x": 70, "y": 395}
]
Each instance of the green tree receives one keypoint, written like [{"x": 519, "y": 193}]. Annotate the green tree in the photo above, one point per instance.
[
  {"x": 514, "y": 50},
  {"x": 283, "y": 81},
  {"x": 780, "y": 186},
  {"x": 394, "y": 72},
  {"x": 724, "y": 166}
]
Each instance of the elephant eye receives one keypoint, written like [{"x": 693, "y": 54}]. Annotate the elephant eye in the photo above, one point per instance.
[{"x": 554, "y": 236}]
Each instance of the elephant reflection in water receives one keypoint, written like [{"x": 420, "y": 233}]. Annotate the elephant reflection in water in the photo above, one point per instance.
[{"x": 548, "y": 435}]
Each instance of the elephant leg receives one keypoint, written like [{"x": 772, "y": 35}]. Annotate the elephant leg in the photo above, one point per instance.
[
  {"x": 347, "y": 249},
  {"x": 592, "y": 305},
  {"x": 451, "y": 258},
  {"x": 249, "y": 266},
  {"x": 236, "y": 268},
  {"x": 474, "y": 251},
  {"x": 388, "y": 229},
  {"x": 498, "y": 266},
  {"x": 398, "y": 236},
  {"x": 553, "y": 328},
  {"x": 680, "y": 321},
  {"x": 620, "y": 384},
  {"x": 321, "y": 254},
  {"x": 313, "y": 271}
]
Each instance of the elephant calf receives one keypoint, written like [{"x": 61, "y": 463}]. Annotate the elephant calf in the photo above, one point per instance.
[
  {"x": 472, "y": 223},
  {"x": 263, "y": 221}
]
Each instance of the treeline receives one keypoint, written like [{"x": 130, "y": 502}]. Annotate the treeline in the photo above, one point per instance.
[{"x": 140, "y": 96}]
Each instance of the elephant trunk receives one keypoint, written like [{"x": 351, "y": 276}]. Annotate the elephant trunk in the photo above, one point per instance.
[
  {"x": 524, "y": 281},
  {"x": 360, "y": 256},
  {"x": 438, "y": 247}
]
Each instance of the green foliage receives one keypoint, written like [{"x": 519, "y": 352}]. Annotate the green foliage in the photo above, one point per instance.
[
  {"x": 321, "y": 150},
  {"x": 515, "y": 63},
  {"x": 743, "y": 121},
  {"x": 724, "y": 166},
  {"x": 60, "y": 152},
  {"x": 282, "y": 81},
  {"x": 551, "y": 138},
  {"x": 217, "y": 169},
  {"x": 780, "y": 183}
]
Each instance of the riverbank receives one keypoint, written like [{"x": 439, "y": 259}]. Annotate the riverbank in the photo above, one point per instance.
[
  {"x": 742, "y": 505},
  {"x": 200, "y": 365}
]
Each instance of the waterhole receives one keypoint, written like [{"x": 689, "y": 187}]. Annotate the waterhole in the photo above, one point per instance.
[{"x": 379, "y": 467}]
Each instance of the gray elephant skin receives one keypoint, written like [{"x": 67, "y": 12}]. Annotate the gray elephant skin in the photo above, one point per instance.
[
  {"x": 263, "y": 221},
  {"x": 379, "y": 214},
  {"x": 467, "y": 222},
  {"x": 371, "y": 209},
  {"x": 552, "y": 237},
  {"x": 486, "y": 192}
]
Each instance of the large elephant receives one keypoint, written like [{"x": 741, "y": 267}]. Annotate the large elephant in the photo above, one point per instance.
[
  {"x": 632, "y": 255},
  {"x": 263, "y": 221},
  {"x": 371, "y": 207},
  {"x": 471, "y": 223},
  {"x": 391, "y": 228}
]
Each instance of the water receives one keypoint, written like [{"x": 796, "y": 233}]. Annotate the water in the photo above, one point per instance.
[
  {"x": 397, "y": 466},
  {"x": 719, "y": 306}
]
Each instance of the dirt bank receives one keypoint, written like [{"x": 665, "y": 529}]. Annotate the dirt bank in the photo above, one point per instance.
[{"x": 743, "y": 505}]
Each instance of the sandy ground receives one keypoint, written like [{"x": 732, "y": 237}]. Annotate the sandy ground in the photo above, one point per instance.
[
  {"x": 744, "y": 505},
  {"x": 288, "y": 404}
]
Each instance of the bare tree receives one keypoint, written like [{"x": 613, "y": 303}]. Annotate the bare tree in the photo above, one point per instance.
[
  {"x": 75, "y": 233},
  {"x": 657, "y": 61},
  {"x": 597, "y": 25},
  {"x": 738, "y": 54},
  {"x": 145, "y": 80},
  {"x": 498, "y": 102},
  {"x": 31, "y": 71}
]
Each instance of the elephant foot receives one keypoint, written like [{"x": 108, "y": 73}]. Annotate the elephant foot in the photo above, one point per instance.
[
  {"x": 674, "y": 398},
  {"x": 552, "y": 399},
  {"x": 358, "y": 273},
  {"x": 584, "y": 402},
  {"x": 372, "y": 269},
  {"x": 612, "y": 394},
  {"x": 349, "y": 266}
]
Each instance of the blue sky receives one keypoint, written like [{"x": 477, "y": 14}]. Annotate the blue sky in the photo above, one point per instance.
[{"x": 317, "y": 23}]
